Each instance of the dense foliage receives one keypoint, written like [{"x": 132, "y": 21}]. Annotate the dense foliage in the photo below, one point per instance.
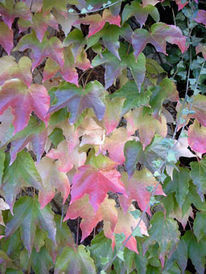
[{"x": 102, "y": 136}]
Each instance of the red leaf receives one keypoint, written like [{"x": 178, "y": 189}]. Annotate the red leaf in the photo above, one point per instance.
[
  {"x": 97, "y": 22},
  {"x": 6, "y": 37},
  {"x": 23, "y": 101},
  {"x": 52, "y": 179},
  {"x": 96, "y": 181},
  {"x": 82, "y": 208},
  {"x": 137, "y": 189},
  {"x": 48, "y": 48}
]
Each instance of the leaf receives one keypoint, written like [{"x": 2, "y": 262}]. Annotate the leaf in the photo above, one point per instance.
[
  {"x": 181, "y": 4},
  {"x": 201, "y": 48},
  {"x": 196, "y": 137},
  {"x": 132, "y": 152},
  {"x": 100, "y": 245},
  {"x": 2, "y": 160},
  {"x": 34, "y": 134},
  {"x": 198, "y": 106},
  {"x": 166, "y": 91},
  {"x": 68, "y": 71},
  {"x": 10, "y": 69},
  {"x": 126, "y": 224},
  {"x": 198, "y": 173},
  {"x": 180, "y": 185},
  {"x": 115, "y": 143},
  {"x": 65, "y": 20},
  {"x": 39, "y": 23},
  {"x": 91, "y": 132},
  {"x": 199, "y": 225},
  {"x": 196, "y": 251},
  {"x": 159, "y": 35},
  {"x": 52, "y": 179},
  {"x": 9, "y": 11},
  {"x": 67, "y": 157},
  {"x": 97, "y": 21},
  {"x": 78, "y": 99},
  {"x": 6, "y": 37},
  {"x": 75, "y": 261},
  {"x": 82, "y": 208},
  {"x": 163, "y": 231},
  {"x": 21, "y": 173},
  {"x": 96, "y": 180},
  {"x": 140, "y": 119},
  {"x": 41, "y": 261},
  {"x": 112, "y": 114},
  {"x": 150, "y": 2},
  {"x": 114, "y": 67},
  {"x": 6, "y": 127},
  {"x": 201, "y": 17},
  {"x": 181, "y": 148},
  {"x": 137, "y": 189},
  {"x": 28, "y": 215},
  {"x": 139, "y": 12},
  {"x": 23, "y": 101},
  {"x": 134, "y": 99},
  {"x": 40, "y": 50},
  {"x": 3, "y": 206}
]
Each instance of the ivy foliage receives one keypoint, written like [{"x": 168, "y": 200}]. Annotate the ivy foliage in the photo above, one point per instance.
[{"x": 102, "y": 136}]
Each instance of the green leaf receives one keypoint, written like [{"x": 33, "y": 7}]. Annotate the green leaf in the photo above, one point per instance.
[
  {"x": 166, "y": 90},
  {"x": 197, "y": 251},
  {"x": 200, "y": 225},
  {"x": 22, "y": 173},
  {"x": 180, "y": 185},
  {"x": 198, "y": 174},
  {"x": 134, "y": 99},
  {"x": 101, "y": 250},
  {"x": 75, "y": 261},
  {"x": 41, "y": 262},
  {"x": 2, "y": 159},
  {"x": 165, "y": 232},
  {"x": 27, "y": 215}
]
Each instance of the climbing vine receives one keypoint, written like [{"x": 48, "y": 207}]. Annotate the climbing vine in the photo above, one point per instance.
[{"x": 102, "y": 136}]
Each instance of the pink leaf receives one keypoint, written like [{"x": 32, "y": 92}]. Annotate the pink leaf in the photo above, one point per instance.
[
  {"x": 97, "y": 22},
  {"x": 159, "y": 35},
  {"x": 10, "y": 11},
  {"x": 96, "y": 181},
  {"x": 197, "y": 137},
  {"x": 23, "y": 101},
  {"x": 48, "y": 48},
  {"x": 67, "y": 156},
  {"x": 201, "y": 17}
]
